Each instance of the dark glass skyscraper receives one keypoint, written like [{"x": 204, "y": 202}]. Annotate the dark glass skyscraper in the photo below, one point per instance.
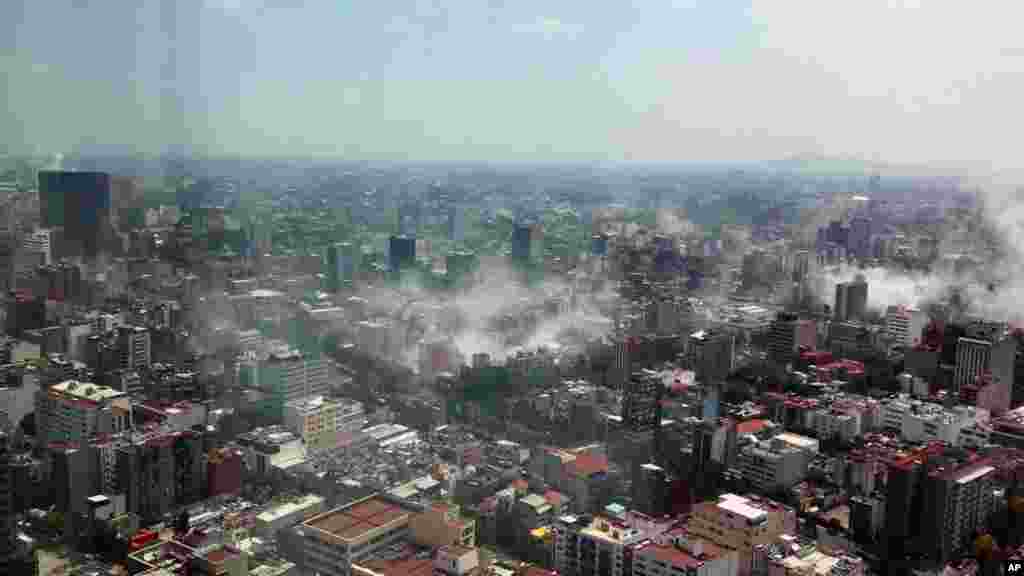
[
  {"x": 522, "y": 235},
  {"x": 401, "y": 252},
  {"x": 78, "y": 203}
]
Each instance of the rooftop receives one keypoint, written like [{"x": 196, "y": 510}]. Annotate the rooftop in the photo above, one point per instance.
[
  {"x": 359, "y": 519},
  {"x": 741, "y": 506},
  {"x": 273, "y": 513},
  {"x": 670, "y": 555},
  {"x": 86, "y": 390}
]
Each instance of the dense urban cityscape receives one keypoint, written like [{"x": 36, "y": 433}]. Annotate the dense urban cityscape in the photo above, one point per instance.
[{"x": 233, "y": 367}]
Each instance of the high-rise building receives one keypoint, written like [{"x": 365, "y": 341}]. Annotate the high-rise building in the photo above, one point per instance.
[
  {"x": 738, "y": 523},
  {"x": 994, "y": 355},
  {"x": 935, "y": 499},
  {"x": 38, "y": 242},
  {"x": 522, "y": 240},
  {"x": 787, "y": 333},
  {"x": 401, "y": 252},
  {"x": 341, "y": 265},
  {"x": 851, "y": 300},
  {"x": 641, "y": 413},
  {"x": 651, "y": 490},
  {"x": 134, "y": 344},
  {"x": 859, "y": 240},
  {"x": 283, "y": 374},
  {"x": 905, "y": 326},
  {"x": 456, "y": 223},
  {"x": 710, "y": 355},
  {"x": 77, "y": 411},
  {"x": 80, "y": 204}
]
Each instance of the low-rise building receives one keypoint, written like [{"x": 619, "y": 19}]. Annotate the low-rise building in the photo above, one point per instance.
[
  {"x": 289, "y": 512},
  {"x": 331, "y": 542}
]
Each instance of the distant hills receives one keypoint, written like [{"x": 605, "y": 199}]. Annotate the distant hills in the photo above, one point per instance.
[{"x": 813, "y": 165}]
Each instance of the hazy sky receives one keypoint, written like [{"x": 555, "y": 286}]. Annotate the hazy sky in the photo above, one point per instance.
[{"x": 936, "y": 81}]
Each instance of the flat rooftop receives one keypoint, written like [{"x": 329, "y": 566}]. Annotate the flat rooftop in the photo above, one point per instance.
[
  {"x": 273, "y": 513},
  {"x": 356, "y": 521},
  {"x": 86, "y": 390},
  {"x": 741, "y": 506}
]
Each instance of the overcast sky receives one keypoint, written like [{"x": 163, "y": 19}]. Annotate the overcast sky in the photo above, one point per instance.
[{"x": 934, "y": 81}]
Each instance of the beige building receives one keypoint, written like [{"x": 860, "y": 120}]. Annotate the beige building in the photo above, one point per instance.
[
  {"x": 440, "y": 525},
  {"x": 740, "y": 523},
  {"x": 321, "y": 421}
]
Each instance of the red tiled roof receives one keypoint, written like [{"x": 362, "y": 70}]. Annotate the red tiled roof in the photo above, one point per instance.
[
  {"x": 751, "y": 426},
  {"x": 554, "y": 498},
  {"x": 670, "y": 555},
  {"x": 588, "y": 465}
]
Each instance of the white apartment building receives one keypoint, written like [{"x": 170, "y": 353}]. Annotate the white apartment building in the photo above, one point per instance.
[
  {"x": 772, "y": 465},
  {"x": 904, "y": 325},
  {"x": 919, "y": 421}
]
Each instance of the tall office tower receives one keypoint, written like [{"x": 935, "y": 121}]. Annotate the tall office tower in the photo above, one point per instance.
[
  {"x": 460, "y": 265},
  {"x": 851, "y": 300},
  {"x": 127, "y": 208},
  {"x": 283, "y": 374},
  {"x": 401, "y": 252},
  {"x": 409, "y": 213},
  {"x": 801, "y": 266},
  {"x": 710, "y": 355},
  {"x": 935, "y": 499},
  {"x": 456, "y": 223},
  {"x": 79, "y": 204},
  {"x": 341, "y": 266},
  {"x": 787, "y": 334},
  {"x": 641, "y": 414},
  {"x": 650, "y": 490},
  {"x": 134, "y": 345},
  {"x": 905, "y": 326},
  {"x": 522, "y": 240},
  {"x": 859, "y": 241},
  {"x": 753, "y": 271},
  {"x": 38, "y": 242},
  {"x": 7, "y": 505},
  {"x": 993, "y": 354}
]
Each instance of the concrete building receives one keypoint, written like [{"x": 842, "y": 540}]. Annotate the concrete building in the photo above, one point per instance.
[
  {"x": 739, "y": 524},
  {"x": 905, "y": 326},
  {"x": 38, "y": 242},
  {"x": 266, "y": 451},
  {"x": 281, "y": 374},
  {"x": 773, "y": 465},
  {"x": 795, "y": 555},
  {"x": 320, "y": 420},
  {"x": 288, "y": 513},
  {"x": 333, "y": 541},
  {"x": 992, "y": 353},
  {"x": 594, "y": 545},
  {"x": 710, "y": 354},
  {"x": 134, "y": 343},
  {"x": 440, "y": 525},
  {"x": 787, "y": 334},
  {"x": 851, "y": 300},
  {"x": 77, "y": 411},
  {"x": 675, "y": 554}
]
